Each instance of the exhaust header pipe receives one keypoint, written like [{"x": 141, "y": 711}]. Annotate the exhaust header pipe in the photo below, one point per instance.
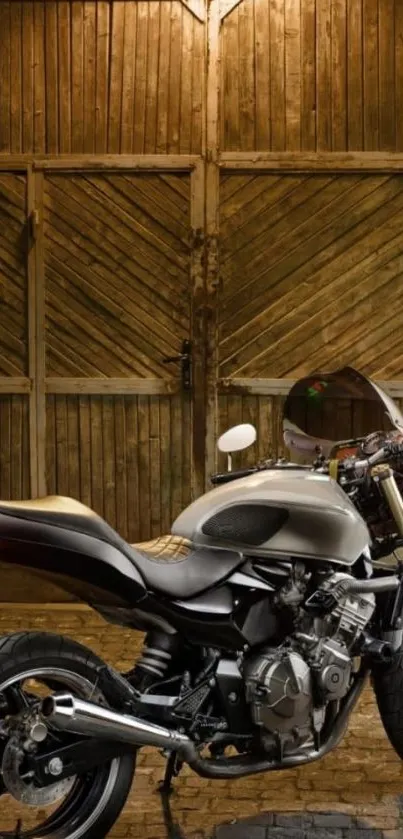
[{"x": 66, "y": 713}]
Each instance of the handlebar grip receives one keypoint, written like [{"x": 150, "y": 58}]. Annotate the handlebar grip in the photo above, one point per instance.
[{"x": 226, "y": 477}]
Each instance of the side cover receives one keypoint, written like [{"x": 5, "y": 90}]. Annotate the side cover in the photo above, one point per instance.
[{"x": 284, "y": 512}]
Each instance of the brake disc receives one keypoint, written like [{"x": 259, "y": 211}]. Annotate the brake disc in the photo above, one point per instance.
[{"x": 22, "y": 787}]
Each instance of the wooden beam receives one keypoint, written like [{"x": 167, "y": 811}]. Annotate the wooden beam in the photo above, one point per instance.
[
  {"x": 40, "y": 336},
  {"x": 212, "y": 181},
  {"x": 15, "y": 384},
  {"x": 197, "y": 210},
  {"x": 127, "y": 386},
  {"x": 280, "y": 387},
  {"x": 313, "y": 162},
  {"x": 31, "y": 295},
  {"x": 150, "y": 162}
]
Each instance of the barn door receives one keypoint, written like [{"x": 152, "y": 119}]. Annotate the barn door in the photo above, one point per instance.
[
  {"x": 16, "y": 361},
  {"x": 311, "y": 275},
  {"x": 118, "y": 304}
]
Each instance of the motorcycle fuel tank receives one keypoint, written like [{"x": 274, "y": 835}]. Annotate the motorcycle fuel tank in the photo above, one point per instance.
[{"x": 278, "y": 512}]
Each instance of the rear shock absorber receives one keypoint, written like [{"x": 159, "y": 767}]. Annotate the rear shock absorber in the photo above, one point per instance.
[{"x": 157, "y": 655}]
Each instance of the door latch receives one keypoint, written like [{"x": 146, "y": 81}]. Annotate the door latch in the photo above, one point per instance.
[{"x": 186, "y": 363}]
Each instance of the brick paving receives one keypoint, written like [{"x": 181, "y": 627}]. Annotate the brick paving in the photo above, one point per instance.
[{"x": 354, "y": 793}]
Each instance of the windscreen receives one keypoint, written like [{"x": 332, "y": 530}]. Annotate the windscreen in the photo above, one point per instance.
[{"x": 321, "y": 410}]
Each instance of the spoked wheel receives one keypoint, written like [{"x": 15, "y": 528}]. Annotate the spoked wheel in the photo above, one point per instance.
[{"x": 33, "y": 666}]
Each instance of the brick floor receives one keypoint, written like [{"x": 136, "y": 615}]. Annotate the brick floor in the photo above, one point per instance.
[{"x": 354, "y": 793}]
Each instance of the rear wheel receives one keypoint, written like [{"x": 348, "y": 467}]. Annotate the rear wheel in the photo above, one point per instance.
[
  {"x": 34, "y": 665},
  {"x": 388, "y": 685}
]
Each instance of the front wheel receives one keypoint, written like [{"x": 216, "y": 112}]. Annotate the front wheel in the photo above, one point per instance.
[
  {"x": 387, "y": 680},
  {"x": 33, "y": 665}
]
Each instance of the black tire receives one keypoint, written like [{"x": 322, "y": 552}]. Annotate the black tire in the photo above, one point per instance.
[
  {"x": 108, "y": 786},
  {"x": 387, "y": 680}
]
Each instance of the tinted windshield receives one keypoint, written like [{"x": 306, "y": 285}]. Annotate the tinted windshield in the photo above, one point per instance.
[{"x": 325, "y": 409}]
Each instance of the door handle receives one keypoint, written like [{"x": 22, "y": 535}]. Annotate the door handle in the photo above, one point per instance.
[{"x": 185, "y": 358}]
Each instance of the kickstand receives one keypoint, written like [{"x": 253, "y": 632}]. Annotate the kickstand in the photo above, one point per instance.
[
  {"x": 18, "y": 830},
  {"x": 172, "y": 769}
]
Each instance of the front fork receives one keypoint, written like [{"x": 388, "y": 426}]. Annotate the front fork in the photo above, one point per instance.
[{"x": 392, "y": 619}]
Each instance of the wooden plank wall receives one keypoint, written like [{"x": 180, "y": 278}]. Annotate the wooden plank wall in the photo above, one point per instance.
[
  {"x": 126, "y": 457},
  {"x": 312, "y": 75},
  {"x": 306, "y": 261},
  {"x": 100, "y": 77}
]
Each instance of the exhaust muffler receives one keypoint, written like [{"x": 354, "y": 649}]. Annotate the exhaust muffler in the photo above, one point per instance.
[{"x": 66, "y": 713}]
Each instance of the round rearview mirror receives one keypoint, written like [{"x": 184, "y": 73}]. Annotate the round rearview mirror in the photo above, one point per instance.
[{"x": 237, "y": 438}]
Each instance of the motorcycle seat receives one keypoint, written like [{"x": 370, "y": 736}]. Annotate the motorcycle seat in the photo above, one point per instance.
[{"x": 181, "y": 579}]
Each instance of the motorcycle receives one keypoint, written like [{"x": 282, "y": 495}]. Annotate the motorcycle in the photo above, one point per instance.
[{"x": 258, "y": 642}]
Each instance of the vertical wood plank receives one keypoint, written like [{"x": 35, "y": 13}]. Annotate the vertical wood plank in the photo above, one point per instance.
[
  {"x": 371, "y": 76},
  {"x": 277, "y": 74},
  {"x": 339, "y": 75},
  {"x": 355, "y": 110},
  {"x": 5, "y": 78},
  {"x": 84, "y": 438},
  {"x": 121, "y": 467},
  {"x": 187, "y": 494},
  {"x": 141, "y": 77},
  {"x": 108, "y": 457},
  {"x": 77, "y": 76},
  {"x": 308, "y": 75},
  {"x": 40, "y": 357},
  {"x": 399, "y": 75},
  {"x": 247, "y": 103},
  {"x": 64, "y": 53},
  {"x": 16, "y": 446},
  {"x": 32, "y": 339},
  {"x": 62, "y": 460},
  {"x": 144, "y": 466},
  {"x": 293, "y": 75},
  {"x": 155, "y": 480},
  {"x": 102, "y": 76},
  {"x": 198, "y": 423},
  {"x": 128, "y": 82},
  {"x": 186, "y": 91},
  {"x": 27, "y": 78},
  {"x": 150, "y": 139},
  {"x": 212, "y": 187},
  {"x": 89, "y": 76},
  {"x": 39, "y": 78},
  {"x": 74, "y": 453},
  {"x": 16, "y": 78},
  {"x": 176, "y": 454},
  {"x": 51, "y": 79},
  {"x": 324, "y": 78},
  {"x": 387, "y": 122},
  {"x": 5, "y": 447},
  {"x": 230, "y": 127},
  {"x": 163, "y": 77},
  {"x": 116, "y": 76},
  {"x": 175, "y": 77},
  {"x": 165, "y": 463},
  {"x": 51, "y": 479},
  {"x": 97, "y": 477},
  {"x": 198, "y": 86},
  {"x": 131, "y": 448},
  {"x": 262, "y": 71}
]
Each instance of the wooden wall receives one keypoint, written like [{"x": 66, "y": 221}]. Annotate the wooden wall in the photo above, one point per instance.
[
  {"x": 100, "y": 77},
  {"x": 313, "y": 75}
]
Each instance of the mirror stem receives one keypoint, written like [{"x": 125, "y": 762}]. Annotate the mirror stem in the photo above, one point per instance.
[{"x": 229, "y": 462}]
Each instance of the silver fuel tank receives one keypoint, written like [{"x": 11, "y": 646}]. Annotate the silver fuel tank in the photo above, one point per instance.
[{"x": 278, "y": 512}]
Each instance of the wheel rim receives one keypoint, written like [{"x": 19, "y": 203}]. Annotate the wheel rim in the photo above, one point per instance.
[{"x": 89, "y": 796}]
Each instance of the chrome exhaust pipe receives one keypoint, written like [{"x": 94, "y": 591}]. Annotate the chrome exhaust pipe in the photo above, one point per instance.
[{"x": 66, "y": 713}]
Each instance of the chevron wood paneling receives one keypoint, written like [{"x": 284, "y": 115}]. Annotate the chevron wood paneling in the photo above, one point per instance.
[
  {"x": 13, "y": 276},
  {"x": 126, "y": 457},
  {"x": 117, "y": 263},
  {"x": 311, "y": 273}
]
